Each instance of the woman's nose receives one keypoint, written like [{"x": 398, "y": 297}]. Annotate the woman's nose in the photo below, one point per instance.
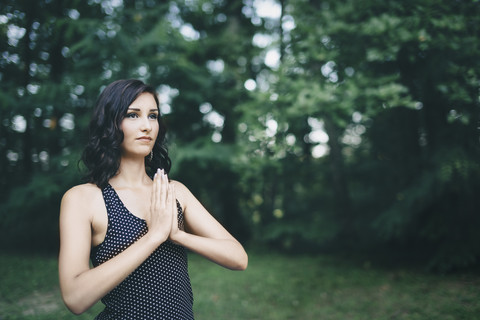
[{"x": 146, "y": 125}]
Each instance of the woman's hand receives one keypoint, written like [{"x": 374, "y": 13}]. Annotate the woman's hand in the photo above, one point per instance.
[{"x": 161, "y": 216}]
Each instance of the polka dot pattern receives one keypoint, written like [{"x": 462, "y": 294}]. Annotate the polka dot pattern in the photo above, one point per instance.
[{"x": 160, "y": 287}]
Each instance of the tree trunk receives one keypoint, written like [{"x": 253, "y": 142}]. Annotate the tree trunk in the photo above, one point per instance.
[{"x": 339, "y": 180}]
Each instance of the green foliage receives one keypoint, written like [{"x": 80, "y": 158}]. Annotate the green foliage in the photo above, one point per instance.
[
  {"x": 395, "y": 96},
  {"x": 54, "y": 68},
  {"x": 364, "y": 136}
]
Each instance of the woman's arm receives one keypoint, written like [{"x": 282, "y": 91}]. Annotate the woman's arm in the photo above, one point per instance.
[
  {"x": 82, "y": 286},
  {"x": 206, "y": 236}
]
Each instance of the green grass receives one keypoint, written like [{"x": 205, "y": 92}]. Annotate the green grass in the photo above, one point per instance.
[{"x": 273, "y": 287}]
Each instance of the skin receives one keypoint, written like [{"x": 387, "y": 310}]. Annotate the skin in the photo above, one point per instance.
[{"x": 83, "y": 218}]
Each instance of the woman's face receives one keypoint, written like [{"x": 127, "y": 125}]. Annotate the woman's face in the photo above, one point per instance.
[{"x": 140, "y": 126}]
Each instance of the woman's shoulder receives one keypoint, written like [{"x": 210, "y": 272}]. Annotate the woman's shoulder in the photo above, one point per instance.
[
  {"x": 178, "y": 184},
  {"x": 81, "y": 202},
  {"x": 181, "y": 192},
  {"x": 180, "y": 188},
  {"x": 83, "y": 194}
]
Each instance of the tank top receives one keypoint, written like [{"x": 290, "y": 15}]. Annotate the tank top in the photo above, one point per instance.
[{"x": 160, "y": 287}]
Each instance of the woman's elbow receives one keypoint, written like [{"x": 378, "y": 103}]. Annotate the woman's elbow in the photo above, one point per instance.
[
  {"x": 241, "y": 263},
  {"x": 242, "y": 266},
  {"x": 76, "y": 311},
  {"x": 73, "y": 304},
  {"x": 245, "y": 263}
]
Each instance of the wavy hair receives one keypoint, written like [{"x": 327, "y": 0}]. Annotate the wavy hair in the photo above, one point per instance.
[{"x": 102, "y": 153}]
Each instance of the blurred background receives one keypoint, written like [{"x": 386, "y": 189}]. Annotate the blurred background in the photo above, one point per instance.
[{"x": 304, "y": 126}]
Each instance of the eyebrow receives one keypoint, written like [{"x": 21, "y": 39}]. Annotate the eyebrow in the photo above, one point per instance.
[{"x": 137, "y": 109}]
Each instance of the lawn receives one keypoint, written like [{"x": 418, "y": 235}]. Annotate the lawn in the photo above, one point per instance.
[{"x": 273, "y": 287}]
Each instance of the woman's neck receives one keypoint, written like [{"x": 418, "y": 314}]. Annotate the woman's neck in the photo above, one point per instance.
[{"x": 131, "y": 173}]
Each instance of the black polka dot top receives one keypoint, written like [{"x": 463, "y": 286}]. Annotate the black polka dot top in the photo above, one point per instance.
[{"x": 160, "y": 287}]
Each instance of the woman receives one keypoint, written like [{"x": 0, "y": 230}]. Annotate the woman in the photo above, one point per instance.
[{"x": 131, "y": 220}]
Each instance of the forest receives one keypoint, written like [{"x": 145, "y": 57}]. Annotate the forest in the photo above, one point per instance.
[{"x": 304, "y": 126}]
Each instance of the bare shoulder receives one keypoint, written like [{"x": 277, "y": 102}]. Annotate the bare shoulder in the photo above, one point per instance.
[
  {"x": 179, "y": 187},
  {"x": 83, "y": 197},
  {"x": 181, "y": 192},
  {"x": 82, "y": 192}
]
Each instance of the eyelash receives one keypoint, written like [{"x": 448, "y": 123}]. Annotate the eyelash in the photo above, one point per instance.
[{"x": 132, "y": 115}]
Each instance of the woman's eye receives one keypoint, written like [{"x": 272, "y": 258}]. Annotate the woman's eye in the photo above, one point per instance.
[
  {"x": 131, "y": 115},
  {"x": 153, "y": 116}
]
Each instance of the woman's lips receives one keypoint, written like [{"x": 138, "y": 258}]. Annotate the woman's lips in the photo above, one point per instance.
[{"x": 146, "y": 139}]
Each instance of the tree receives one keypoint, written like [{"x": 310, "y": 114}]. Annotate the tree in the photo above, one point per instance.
[
  {"x": 57, "y": 57},
  {"x": 40, "y": 100},
  {"x": 397, "y": 99}
]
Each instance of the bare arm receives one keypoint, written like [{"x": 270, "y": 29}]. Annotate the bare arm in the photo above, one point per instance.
[
  {"x": 82, "y": 286},
  {"x": 206, "y": 236}
]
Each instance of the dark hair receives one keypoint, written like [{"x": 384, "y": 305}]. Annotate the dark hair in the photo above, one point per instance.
[{"x": 102, "y": 153}]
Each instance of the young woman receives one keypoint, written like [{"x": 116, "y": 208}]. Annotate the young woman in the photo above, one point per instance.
[{"x": 131, "y": 220}]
